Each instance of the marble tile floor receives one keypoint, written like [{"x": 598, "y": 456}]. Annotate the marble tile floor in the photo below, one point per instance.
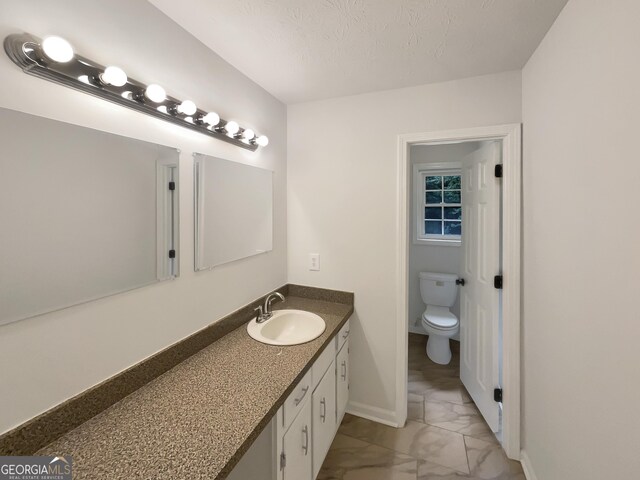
[{"x": 445, "y": 437}]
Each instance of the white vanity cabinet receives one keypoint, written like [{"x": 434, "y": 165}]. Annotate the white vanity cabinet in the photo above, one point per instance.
[{"x": 308, "y": 421}]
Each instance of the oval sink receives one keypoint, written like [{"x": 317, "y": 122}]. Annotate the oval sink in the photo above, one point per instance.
[{"x": 287, "y": 327}]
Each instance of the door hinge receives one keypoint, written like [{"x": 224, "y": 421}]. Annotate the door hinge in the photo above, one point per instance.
[
  {"x": 497, "y": 395},
  {"x": 283, "y": 461},
  {"x": 172, "y": 186},
  {"x": 498, "y": 170},
  {"x": 172, "y": 254},
  {"x": 497, "y": 282}
]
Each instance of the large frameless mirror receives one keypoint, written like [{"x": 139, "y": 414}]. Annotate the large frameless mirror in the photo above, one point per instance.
[
  {"x": 84, "y": 214},
  {"x": 234, "y": 211}
]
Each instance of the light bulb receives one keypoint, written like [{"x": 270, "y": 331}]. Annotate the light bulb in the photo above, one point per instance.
[
  {"x": 57, "y": 49},
  {"x": 114, "y": 76},
  {"x": 187, "y": 107},
  {"x": 212, "y": 118},
  {"x": 248, "y": 134},
  {"x": 232, "y": 127},
  {"x": 155, "y": 93},
  {"x": 262, "y": 140}
]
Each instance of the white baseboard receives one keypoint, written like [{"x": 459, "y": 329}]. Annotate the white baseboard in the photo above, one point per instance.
[
  {"x": 416, "y": 330},
  {"x": 375, "y": 414},
  {"x": 526, "y": 466}
]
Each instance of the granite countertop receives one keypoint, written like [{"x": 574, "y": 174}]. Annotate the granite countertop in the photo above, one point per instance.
[{"x": 199, "y": 418}]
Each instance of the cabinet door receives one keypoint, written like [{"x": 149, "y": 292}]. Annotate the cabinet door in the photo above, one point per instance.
[
  {"x": 296, "y": 447},
  {"x": 324, "y": 417},
  {"x": 342, "y": 380},
  {"x": 258, "y": 462}
]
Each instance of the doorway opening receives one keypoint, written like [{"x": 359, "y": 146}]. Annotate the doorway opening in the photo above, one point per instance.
[{"x": 459, "y": 279}]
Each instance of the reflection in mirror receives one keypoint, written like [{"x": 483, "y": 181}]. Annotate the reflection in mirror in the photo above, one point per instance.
[
  {"x": 234, "y": 211},
  {"x": 84, "y": 214}
]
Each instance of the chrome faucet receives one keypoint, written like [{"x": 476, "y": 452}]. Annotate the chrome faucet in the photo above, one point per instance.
[{"x": 265, "y": 313}]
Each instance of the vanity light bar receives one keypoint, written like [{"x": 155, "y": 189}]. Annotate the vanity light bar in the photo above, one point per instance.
[{"x": 54, "y": 59}]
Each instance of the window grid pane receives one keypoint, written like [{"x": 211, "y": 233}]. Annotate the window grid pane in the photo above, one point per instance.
[{"x": 443, "y": 209}]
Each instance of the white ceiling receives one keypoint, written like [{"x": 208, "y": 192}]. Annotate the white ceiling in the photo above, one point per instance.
[{"x": 302, "y": 50}]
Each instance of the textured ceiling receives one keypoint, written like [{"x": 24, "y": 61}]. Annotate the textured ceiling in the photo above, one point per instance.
[{"x": 302, "y": 50}]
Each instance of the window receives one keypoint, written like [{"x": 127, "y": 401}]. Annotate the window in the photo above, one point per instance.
[{"x": 438, "y": 205}]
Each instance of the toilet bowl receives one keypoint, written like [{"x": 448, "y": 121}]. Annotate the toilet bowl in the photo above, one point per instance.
[
  {"x": 439, "y": 292},
  {"x": 441, "y": 325}
]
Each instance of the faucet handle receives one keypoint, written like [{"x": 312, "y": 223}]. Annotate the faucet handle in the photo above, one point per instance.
[{"x": 259, "y": 310}]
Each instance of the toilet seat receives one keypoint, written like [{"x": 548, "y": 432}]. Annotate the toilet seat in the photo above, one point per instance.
[{"x": 440, "y": 318}]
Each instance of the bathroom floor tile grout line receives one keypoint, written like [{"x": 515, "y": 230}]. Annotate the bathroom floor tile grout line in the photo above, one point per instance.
[
  {"x": 417, "y": 459},
  {"x": 437, "y": 445}
]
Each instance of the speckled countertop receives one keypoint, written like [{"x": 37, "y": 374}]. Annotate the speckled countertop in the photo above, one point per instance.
[{"x": 198, "y": 419}]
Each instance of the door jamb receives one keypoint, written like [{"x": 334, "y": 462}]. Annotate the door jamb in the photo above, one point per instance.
[{"x": 511, "y": 137}]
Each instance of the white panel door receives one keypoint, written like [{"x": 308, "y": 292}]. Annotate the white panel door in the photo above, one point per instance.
[
  {"x": 324, "y": 417},
  {"x": 342, "y": 381},
  {"x": 296, "y": 447},
  {"x": 479, "y": 299}
]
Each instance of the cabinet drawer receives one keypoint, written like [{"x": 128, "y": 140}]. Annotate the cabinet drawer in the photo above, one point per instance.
[
  {"x": 296, "y": 400},
  {"x": 322, "y": 363},
  {"x": 342, "y": 336}
]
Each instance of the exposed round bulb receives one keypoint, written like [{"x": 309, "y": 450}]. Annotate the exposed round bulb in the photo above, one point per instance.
[
  {"x": 248, "y": 134},
  {"x": 187, "y": 107},
  {"x": 155, "y": 93},
  {"x": 232, "y": 127},
  {"x": 262, "y": 140},
  {"x": 114, "y": 76},
  {"x": 212, "y": 118},
  {"x": 57, "y": 49}
]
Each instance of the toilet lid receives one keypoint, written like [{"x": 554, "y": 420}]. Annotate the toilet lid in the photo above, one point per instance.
[{"x": 440, "y": 317}]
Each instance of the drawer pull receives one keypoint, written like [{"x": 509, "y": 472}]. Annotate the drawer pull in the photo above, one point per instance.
[
  {"x": 345, "y": 334},
  {"x": 323, "y": 404},
  {"x": 304, "y": 392},
  {"x": 305, "y": 445},
  {"x": 344, "y": 370}
]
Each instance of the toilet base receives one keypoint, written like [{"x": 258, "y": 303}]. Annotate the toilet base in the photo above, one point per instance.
[{"x": 438, "y": 349}]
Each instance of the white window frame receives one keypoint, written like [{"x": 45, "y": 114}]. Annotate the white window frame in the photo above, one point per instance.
[{"x": 420, "y": 171}]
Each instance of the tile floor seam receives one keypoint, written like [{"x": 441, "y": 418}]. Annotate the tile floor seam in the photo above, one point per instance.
[
  {"x": 417, "y": 459},
  {"x": 427, "y": 446},
  {"x": 376, "y": 444}
]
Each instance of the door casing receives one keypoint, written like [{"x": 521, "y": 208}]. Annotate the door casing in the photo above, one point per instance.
[{"x": 511, "y": 138}]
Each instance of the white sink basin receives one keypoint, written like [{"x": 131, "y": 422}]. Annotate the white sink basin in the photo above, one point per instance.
[{"x": 287, "y": 327}]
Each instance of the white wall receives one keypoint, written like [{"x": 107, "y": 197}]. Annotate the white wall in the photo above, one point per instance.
[
  {"x": 342, "y": 194},
  {"x": 431, "y": 258},
  {"x": 581, "y": 93},
  {"x": 47, "y": 359}
]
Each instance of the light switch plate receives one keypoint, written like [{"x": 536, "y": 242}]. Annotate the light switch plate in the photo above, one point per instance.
[{"x": 314, "y": 261}]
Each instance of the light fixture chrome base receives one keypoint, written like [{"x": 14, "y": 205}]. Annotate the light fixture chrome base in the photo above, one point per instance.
[{"x": 84, "y": 75}]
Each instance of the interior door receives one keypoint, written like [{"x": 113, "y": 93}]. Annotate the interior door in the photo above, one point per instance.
[{"x": 479, "y": 299}]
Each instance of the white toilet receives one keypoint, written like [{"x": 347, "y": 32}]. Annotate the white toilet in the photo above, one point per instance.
[{"x": 439, "y": 291}]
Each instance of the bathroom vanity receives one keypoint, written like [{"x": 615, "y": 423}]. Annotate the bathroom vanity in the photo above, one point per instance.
[
  {"x": 307, "y": 422},
  {"x": 236, "y": 409},
  {"x": 295, "y": 443}
]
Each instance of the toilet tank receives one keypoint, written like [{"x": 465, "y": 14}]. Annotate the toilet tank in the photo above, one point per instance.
[{"x": 438, "y": 289}]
